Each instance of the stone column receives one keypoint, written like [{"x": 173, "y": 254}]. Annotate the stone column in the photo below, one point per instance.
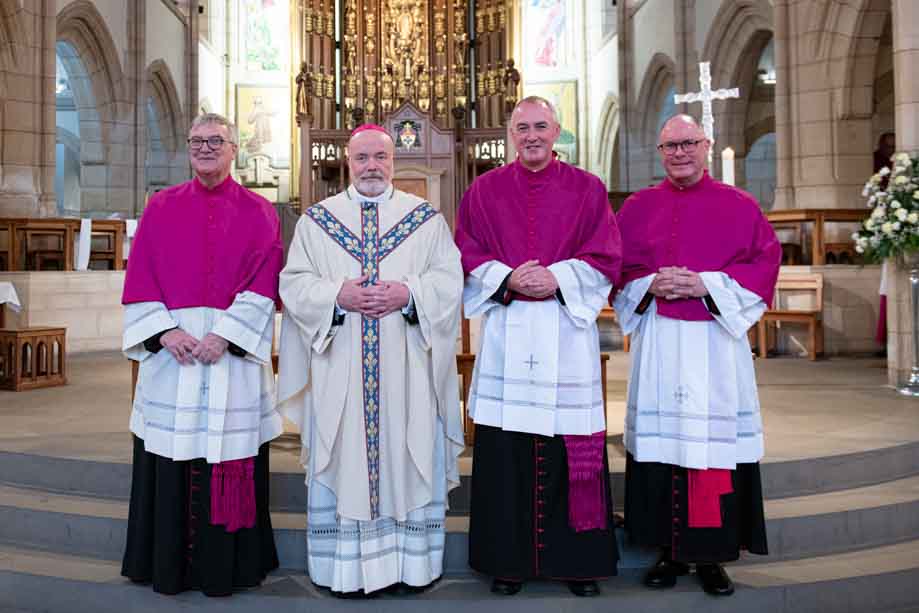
[
  {"x": 906, "y": 85},
  {"x": 906, "y": 96},
  {"x": 136, "y": 86},
  {"x": 191, "y": 62},
  {"x": 687, "y": 56},
  {"x": 47, "y": 76},
  {"x": 27, "y": 106},
  {"x": 784, "y": 193}
]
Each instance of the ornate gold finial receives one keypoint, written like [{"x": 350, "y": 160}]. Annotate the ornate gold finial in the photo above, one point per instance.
[
  {"x": 330, "y": 21},
  {"x": 308, "y": 19},
  {"x": 318, "y": 80}
]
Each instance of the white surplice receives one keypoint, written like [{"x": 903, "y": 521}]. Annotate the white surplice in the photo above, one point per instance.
[
  {"x": 377, "y": 491},
  {"x": 220, "y": 412},
  {"x": 538, "y": 367},
  {"x": 692, "y": 398}
]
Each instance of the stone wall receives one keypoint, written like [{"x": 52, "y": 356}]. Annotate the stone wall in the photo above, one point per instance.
[{"x": 88, "y": 304}]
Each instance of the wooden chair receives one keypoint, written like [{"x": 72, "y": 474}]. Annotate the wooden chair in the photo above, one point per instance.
[
  {"x": 102, "y": 251},
  {"x": 791, "y": 254},
  {"x": 107, "y": 244},
  {"x": 465, "y": 363},
  {"x": 608, "y": 313},
  {"x": 812, "y": 317},
  {"x": 840, "y": 253},
  {"x": 7, "y": 234},
  {"x": 37, "y": 237}
]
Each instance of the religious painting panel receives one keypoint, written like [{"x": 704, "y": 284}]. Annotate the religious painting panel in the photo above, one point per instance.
[
  {"x": 266, "y": 44},
  {"x": 549, "y": 44},
  {"x": 564, "y": 96},
  {"x": 264, "y": 119}
]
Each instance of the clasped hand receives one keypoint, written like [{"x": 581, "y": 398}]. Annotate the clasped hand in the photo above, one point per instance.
[
  {"x": 675, "y": 282},
  {"x": 533, "y": 280},
  {"x": 186, "y": 349},
  {"x": 375, "y": 300}
]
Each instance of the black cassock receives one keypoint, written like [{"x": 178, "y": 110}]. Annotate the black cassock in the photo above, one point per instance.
[
  {"x": 519, "y": 512},
  {"x": 656, "y": 513},
  {"x": 171, "y": 541}
]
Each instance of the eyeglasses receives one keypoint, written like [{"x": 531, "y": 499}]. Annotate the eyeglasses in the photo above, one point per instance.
[
  {"x": 214, "y": 142},
  {"x": 688, "y": 146}
]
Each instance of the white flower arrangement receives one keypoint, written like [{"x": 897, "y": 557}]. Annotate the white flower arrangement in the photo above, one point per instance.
[{"x": 892, "y": 229}]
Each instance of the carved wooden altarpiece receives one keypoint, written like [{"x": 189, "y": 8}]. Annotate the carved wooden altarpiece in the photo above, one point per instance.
[{"x": 441, "y": 63}]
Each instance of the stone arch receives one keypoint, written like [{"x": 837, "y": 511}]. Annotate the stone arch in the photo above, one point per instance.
[
  {"x": 606, "y": 137},
  {"x": 657, "y": 85},
  {"x": 162, "y": 92},
  {"x": 861, "y": 59},
  {"x": 88, "y": 52},
  {"x": 740, "y": 32},
  {"x": 658, "y": 80}
]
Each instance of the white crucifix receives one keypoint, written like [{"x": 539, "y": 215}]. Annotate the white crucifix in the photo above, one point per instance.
[{"x": 705, "y": 97}]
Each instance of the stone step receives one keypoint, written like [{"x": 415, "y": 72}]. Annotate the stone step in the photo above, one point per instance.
[
  {"x": 882, "y": 579},
  {"x": 797, "y": 527},
  {"x": 781, "y": 479}
]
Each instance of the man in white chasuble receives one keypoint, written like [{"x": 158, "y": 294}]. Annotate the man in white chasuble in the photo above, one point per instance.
[
  {"x": 540, "y": 252},
  {"x": 371, "y": 293}
]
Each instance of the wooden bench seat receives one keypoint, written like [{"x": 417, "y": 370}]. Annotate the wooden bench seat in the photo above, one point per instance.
[{"x": 811, "y": 317}]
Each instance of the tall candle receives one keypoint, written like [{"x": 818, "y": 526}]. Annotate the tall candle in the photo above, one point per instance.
[{"x": 727, "y": 165}]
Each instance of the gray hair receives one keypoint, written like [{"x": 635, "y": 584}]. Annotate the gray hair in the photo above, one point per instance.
[
  {"x": 206, "y": 118},
  {"x": 538, "y": 100}
]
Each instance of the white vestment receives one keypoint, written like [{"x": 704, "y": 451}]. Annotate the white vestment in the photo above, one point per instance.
[
  {"x": 692, "y": 398},
  {"x": 538, "y": 367},
  {"x": 376, "y": 401},
  {"x": 219, "y": 412}
]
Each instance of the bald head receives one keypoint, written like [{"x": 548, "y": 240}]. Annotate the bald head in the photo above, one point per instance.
[
  {"x": 683, "y": 148},
  {"x": 683, "y": 126},
  {"x": 535, "y": 101},
  {"x": 370, "y": 160}
]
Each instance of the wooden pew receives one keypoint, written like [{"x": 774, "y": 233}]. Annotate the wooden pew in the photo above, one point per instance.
[{"x": 812, "y": 317}]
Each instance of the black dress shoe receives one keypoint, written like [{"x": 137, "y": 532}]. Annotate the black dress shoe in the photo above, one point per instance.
[
  {"x": 404, "y": 589},
  {"x": 358, "y": 595},
  {"x": 584, "y": 588},
  {"x": 715, "y": 580},
  {"x": 505, "y": 588},
  {"x": 664, "y": 573}
]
